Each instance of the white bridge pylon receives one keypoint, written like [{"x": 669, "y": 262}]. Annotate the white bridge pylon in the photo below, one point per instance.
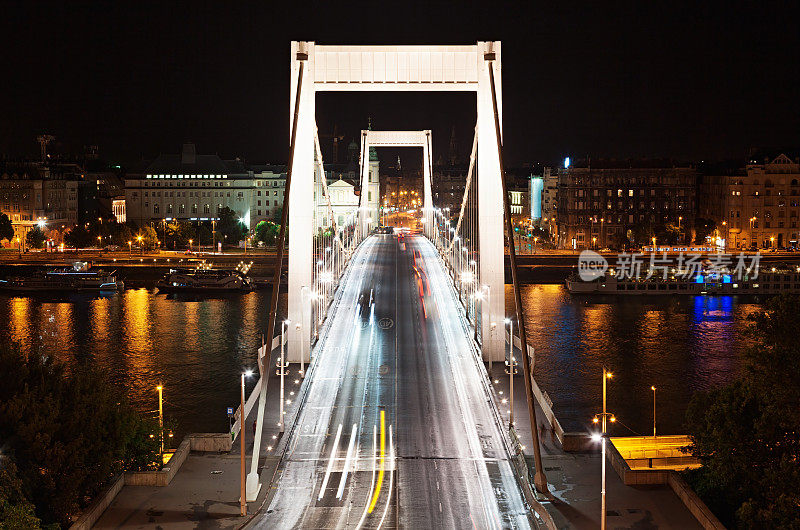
[
  {"x": 463, "y": 68},
  {"x": 370, "y": 138}
]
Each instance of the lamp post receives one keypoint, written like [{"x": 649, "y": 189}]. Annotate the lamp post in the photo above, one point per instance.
[
  {"x": 653, "y": 388},
  {"x": 130, "y": 249},
  {"x": 605, "y": 416},
  {"x": 243, "y": 498},
  {"x": 213, "y": 235},
  {"x": 282, "y": 372},
  {"x": 511, "y": 371},
  {"x": 160, "y": 388},
  {"x": 141, "y": 249}
]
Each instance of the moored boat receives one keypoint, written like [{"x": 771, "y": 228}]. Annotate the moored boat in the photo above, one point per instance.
[
  {"x": 770, "y": 281},
  {"x": 80, "y": 278},
  {"x": 204, "y": 279}
]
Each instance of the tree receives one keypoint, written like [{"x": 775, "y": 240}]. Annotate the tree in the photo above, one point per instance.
[
  {"x": 35, "y": 237},
  {"x": 278, "y": 216},
  {"x": 69, "y": 433},
  {"x": 230, "y": 226},
  {"x": 16, "y": 511},
  {"x": 78, "y": 237},
  {"x": 149, "y": 237},
  {"x": 6, "y": 228},
  {"x": 702, "y": 228},
  {"x": 668, "y": 233},
  {"x": 747, "y": 433},
  {"x": 267, "y": 232}
]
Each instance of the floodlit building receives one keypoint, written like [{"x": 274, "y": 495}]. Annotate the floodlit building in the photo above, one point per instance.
[
  {"x": 601, "y": 202},
  {"x": 192, "y": 187},
  {"x": 40, "y": 194},
  {"x": 757, "y": 206}
]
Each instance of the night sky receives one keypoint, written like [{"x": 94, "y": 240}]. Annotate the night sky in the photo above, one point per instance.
[{"x": 694, "y": 81}]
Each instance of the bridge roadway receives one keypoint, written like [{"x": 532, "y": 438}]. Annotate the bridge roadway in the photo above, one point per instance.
[{"x": 395, "y": 368}]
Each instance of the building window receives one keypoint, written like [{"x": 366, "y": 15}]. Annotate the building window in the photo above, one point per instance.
[{"x": 207, "y": 209}]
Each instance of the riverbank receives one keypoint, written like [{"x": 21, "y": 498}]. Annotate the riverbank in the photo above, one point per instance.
[{"x": 143, "y": 269}]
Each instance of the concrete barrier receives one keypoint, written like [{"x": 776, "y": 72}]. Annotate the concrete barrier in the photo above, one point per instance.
[
  {"x": 92, "y": 513},
  {"x": 649, "y": 477},
  {"x": 210, "y": 442},
  {"x": 695, "y": 505},
  {"x": 163, "y": 476}
]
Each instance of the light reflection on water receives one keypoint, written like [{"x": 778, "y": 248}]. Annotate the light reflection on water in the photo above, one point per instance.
[
  {"x": 680, "y": 344},
  {"x": 197, "y": 347}
]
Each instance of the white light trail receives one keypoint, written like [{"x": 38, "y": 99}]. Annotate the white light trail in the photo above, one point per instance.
[
  {"x": 330, "y": 462},
  {"x": 374, "y": 469},
  {"x": 391, "y": 477},
  {"x": 347, "y": 459}
]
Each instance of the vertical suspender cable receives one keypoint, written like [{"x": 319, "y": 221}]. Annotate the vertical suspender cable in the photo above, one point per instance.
[
  {"x": 276, "y": 275},
  {"x": 540, "y": 480}
]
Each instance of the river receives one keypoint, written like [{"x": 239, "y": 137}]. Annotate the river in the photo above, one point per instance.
[{"x": 197, "y": 346}]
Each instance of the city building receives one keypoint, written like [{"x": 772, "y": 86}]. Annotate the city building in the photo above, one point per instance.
[
  {"x": 761, "y": 203},
  {"x": 40, "y": 194},
  {"x": 192, "y": 187},
  {"x": 605, "y": 203},
  {"x": 549, "y": 201}
]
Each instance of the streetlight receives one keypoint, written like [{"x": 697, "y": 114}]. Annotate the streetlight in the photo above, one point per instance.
[
  {"x": 141, "y": 250},
  {"x": 243, "y": 498},
  {"x": 511, "y": 371},
  {"x": 130, "y": 249},
  {"x": 160, "y": 388},
  {"x": 605, "y": 415},
  {"x": 283, "y": 365},
  {"x": 190, "y": 245},
  {"x": 653, "y": 388}
]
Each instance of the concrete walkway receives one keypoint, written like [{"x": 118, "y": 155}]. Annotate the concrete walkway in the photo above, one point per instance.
[
  {"x": 205, "y": 491},
  {"x": 574, "y": 478}
]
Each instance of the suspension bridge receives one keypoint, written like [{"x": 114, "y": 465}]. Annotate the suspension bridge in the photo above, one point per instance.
[{"x": 396, "y": 426}]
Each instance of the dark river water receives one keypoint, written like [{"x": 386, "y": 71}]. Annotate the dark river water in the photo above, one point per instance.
[{"x": 197, "y": 347}]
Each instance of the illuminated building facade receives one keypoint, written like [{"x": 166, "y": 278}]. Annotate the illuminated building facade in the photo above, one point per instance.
[{"x": 599, "y": 203}]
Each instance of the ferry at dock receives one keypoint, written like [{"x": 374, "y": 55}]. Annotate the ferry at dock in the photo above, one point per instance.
[
  {"x": 78, "y": 278},
  {"x": 204, "y": 279},
  {"x": 775, "y": 280}
]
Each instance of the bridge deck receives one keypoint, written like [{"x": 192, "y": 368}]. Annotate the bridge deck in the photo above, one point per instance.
[{"x": 396, "y": 345}]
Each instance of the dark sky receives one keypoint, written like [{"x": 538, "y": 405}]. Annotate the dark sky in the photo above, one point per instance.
[{"x": 659, "y": 79}]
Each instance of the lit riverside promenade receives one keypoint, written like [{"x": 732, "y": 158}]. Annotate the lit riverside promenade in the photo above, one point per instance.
[{"x": 393, "y": 351}]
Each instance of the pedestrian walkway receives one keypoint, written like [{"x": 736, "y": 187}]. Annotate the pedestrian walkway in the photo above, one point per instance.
[
  {"x": 574, "y": 478},
  {"x": 205, "y": 491}
]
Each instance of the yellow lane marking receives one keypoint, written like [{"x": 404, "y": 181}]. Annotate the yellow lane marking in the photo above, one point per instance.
[{"x": 383, "y": 463}]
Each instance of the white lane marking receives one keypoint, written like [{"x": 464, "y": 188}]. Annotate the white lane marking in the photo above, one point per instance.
[
  {"x": 347, "y": 459},
  {"x": 391, "y": 477},
  {"x": 372, "y": 482},
  {"x": 330, "y": 462}
]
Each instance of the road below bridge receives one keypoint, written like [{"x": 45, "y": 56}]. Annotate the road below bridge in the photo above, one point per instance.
[{"x": 397, "y": 428}]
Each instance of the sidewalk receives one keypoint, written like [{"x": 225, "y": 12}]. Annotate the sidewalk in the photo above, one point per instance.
[
  {"x": 574, "y": 478},
  {"x": 205, "y": 491}
]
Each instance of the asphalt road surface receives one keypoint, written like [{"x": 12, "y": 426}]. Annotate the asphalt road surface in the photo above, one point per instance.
[{"x": 397, "y": 429}]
